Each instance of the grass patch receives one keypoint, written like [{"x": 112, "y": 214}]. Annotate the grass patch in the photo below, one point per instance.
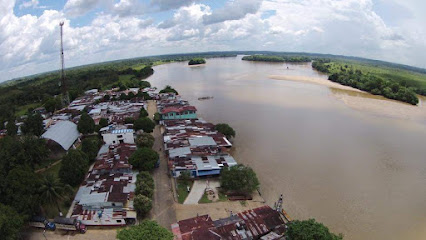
[
  {"x": 243, "y": 203},
  {"x": 22, "y": 110},
  {"x": 222, "y": 197},
  {"x": 53, "y": 170},
  {"x": 205, "y": 199},
  {"x": 64, "y": 205},
  {"x": 182, "y": 190}
]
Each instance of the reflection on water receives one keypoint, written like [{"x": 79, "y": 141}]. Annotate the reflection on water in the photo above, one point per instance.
[{"x": 360, "y": 174}]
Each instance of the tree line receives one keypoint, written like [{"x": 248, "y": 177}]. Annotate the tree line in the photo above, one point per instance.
[
  {"x": 373, "y": 84},
  {"x": 196, "y": 61},
  {"x": 269, "y": 58}
]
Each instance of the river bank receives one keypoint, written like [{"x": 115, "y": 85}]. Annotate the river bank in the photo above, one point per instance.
[{"x": 363, "y": 101}]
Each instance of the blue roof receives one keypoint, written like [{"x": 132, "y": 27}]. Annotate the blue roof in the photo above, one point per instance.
[{"x": 116, "y": 131}]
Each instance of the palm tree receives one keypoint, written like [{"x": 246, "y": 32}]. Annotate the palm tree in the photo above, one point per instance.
[{"x": 52, "y": 190}]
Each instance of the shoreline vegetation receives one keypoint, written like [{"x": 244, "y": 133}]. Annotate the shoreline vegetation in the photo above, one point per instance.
[
  {"x": 196, "y": 61},
  {"x": 349, "y": 75},
  {"x": 268, "y": 58}
]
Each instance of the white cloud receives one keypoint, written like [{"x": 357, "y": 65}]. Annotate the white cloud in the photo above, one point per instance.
[
  {"x": 80, "y": 7},
  {"x": 29, "y": 4},
  {"x": 233, "y": 10},
  {"x": 30, "y": 44},
  {"x": 129, "y": 8},
  {"x": 164, "y": 5}
]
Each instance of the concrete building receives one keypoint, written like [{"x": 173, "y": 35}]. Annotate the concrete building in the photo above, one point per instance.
[
  {"x": 173, "y": 113},
  {"x": 118, "y": 136}
]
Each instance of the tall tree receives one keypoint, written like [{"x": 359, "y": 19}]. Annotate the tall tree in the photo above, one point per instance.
[
  {"x": 86, "y": 124},
  {"x": 143, "y": 113},
  {"x": 90, "y": 146},
  {"x": 10, "y": 223},
  {"x": 146, "y": 124},
  {"x": 21, "y": 186},
  {"x": 144, "y": 159},
  {"x": 240, "y": 179},
  {"x": 35, "y": 150},
  {"x": 310, "y": 229},
  {"x": 52, "y": 190},
  {"x": 146, "y": 230},
  {"x": 74, "y": 167},
  {"x": 142, "y": 204},
  {"x": 225, "y": 129},
  {"x": 145, "y": 140},
  {"x": 33, "y": 125},
  {"x": 11, "y": 127}
]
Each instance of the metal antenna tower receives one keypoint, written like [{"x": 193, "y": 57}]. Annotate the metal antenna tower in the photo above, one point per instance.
[{"x": 65, "y": 97}]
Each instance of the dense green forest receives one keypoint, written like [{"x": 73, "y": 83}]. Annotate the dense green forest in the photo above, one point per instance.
[
  {"x": 269, "y": 58},
  {"x": 369, "y": 81},
  {"x": 196, "y": 61}
]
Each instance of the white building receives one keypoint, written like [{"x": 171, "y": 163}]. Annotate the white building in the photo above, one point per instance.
[{"x": 118, "y": 136}]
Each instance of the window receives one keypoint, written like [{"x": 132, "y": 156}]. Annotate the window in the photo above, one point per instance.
[{"x": 120, "y": 136}]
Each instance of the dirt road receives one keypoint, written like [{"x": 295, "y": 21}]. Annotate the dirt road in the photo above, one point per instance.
[{"x": 163, "y": 210}]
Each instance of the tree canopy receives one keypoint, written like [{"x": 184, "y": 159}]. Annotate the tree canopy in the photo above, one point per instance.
[
  {"x": 33, "y": 125},
  {"x": 142, "y": 204},
  {"x": 309, "y": 229},
  {"x": 103, "y": 122},
  {"x": 74, "y": 167},
  {"x": 145, "y": 140},
  {"x": 225, "y": 129},
  {"x": 239, "y": 179},
  {"x": 10, "y": 223},
  {"x": 11, "y": 127},
  {"x": 268, "y": 58},
  {"x": 145, "y": 123},
  {"x": 86, "y": 124},
  {"x": 196, "y": 61},
  {"x": 90, "y": 146},
  {"x": 143, "y": 113},
  {"x": 146, "y": 230},
  {"x": 348, "y": 76},
  {"x": 144, "y": 159},
  {"x": 169, "y": 89}
]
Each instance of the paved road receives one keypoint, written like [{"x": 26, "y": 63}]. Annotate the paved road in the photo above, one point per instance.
[{"x": 163, "y": 210}]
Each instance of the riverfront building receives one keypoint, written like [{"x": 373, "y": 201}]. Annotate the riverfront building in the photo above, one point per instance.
[
  {"x": 191, "y": 144},
  {"x": 262, "y": 223}
]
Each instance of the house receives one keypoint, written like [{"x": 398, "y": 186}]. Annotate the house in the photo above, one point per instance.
[
  {"x": 183, "y": 112},
  {"x": 259, "y": 223},
  {"x": 106, "y": 195},
  {"x": 118, "y": 136}
]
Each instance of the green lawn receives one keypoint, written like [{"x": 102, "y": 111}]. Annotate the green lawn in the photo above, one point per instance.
[
  {"x": 205, "y": 199},
  {"x": 22, "y": 110},
  {"x": 51, "y": 210},
  {"x": 182, "y": 190},
  {"x": 53, "y": 170}
]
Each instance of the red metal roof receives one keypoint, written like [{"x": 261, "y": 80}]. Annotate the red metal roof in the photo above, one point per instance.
[{"x": 178, "y": 109}]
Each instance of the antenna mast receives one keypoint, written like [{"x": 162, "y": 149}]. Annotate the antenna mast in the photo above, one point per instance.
[{"x": 65, "y": 97}]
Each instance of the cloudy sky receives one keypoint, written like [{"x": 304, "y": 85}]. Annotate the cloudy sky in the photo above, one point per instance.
[{"x": 103, "y": 30}]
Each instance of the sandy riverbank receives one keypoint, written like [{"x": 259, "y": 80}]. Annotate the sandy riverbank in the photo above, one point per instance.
[{"x": 363, "y": 101}]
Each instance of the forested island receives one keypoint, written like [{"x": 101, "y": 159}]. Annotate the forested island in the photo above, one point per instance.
[
  {"x": 269, "y": 58},
  {"x": 197, "y": 61},
  {"x": 371, "y": 82}
]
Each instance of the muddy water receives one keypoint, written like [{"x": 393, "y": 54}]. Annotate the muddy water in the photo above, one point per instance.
[{"x": 362, "y": 174}]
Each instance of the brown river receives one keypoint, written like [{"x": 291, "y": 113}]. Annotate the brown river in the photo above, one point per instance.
[{"x": 353, "y": 161}]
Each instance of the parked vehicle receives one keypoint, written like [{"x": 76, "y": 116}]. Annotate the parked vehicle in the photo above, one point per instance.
[
  {"x": 42, "y": 222},
  {"x": 69, "y": 224}
]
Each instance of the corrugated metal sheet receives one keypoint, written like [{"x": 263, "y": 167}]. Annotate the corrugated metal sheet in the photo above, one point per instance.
[{"x": 64, "y": 133}]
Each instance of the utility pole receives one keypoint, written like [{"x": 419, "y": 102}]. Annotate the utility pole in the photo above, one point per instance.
[{"x": 65, "y": 97}]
